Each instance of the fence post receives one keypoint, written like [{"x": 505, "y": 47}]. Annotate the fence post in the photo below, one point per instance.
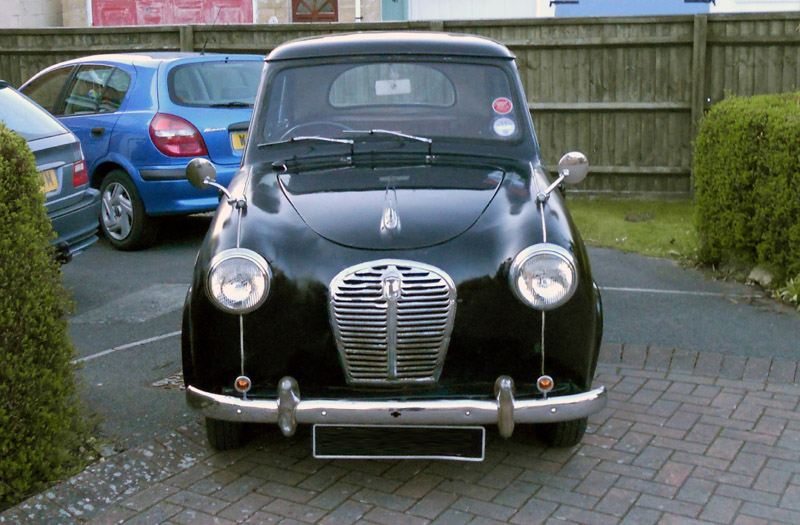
[
  {"x": 187, "y": 38},
  {"x": 698, "y": 80}
]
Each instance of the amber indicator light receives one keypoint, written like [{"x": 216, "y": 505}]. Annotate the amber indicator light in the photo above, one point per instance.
[
  {"x": 545, "y": 383},
  {"x": 242, "y": 384}
]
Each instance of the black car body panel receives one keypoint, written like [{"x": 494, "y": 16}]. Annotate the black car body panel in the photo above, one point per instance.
[
  {"x": 438, "y": 202},
  {"x": 390, "y": 44},
  {"x": 314, "y": 208}
]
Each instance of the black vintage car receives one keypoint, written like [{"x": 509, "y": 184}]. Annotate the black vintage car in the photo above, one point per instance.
[{"x": 392, "y": 263}]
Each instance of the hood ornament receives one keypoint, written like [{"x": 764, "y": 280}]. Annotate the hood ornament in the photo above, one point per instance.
[{"x": 390, "y": 219}]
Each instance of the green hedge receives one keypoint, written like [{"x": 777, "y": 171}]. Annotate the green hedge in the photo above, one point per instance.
[
  {"x": 41, "y": 426},
  {"x": 747, "y": 174}
]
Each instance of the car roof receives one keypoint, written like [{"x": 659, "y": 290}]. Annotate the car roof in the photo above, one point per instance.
[
  {"x": 390, "y": 43},
  {"x": 153, "y": 58}
]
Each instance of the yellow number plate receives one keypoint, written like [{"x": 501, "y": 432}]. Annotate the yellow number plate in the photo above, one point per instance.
[
  {"x": 238, "y": 140},
  {"x": 49, "y": 181}
]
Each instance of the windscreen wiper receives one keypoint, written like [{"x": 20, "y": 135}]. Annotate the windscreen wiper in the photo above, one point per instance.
[
  {"x": 232, "y": 104},
  {"x": 313, "y": 138},
  {"x": 281, "y": 165},
  {"x": 399, "y": 134}
]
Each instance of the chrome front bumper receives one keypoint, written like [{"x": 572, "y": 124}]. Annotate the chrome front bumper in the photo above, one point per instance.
[{"x": 288, "y": 409}]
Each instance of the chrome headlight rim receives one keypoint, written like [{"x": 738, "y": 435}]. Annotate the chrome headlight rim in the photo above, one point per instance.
[
  {"x": 248, "y": 255},
  {"x": 536, "y": 250}
]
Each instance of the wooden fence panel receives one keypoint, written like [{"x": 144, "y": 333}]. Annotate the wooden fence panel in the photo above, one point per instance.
[
  {"x": 628, "y": 92},
  {"x": 25, "y": 52},
  {"x": 752, "y": 55},
  {"x": 619, "y": 89}
]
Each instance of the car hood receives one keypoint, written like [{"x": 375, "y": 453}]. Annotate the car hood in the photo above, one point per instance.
[{"x": 398, "y": 207}]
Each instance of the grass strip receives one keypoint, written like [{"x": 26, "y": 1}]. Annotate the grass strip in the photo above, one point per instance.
[{"x": 647, "y": 227}]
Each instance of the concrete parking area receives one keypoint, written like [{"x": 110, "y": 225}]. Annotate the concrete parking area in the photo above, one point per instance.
[
  {"x": 687, "y": 437},
  {"x": 708, "y": 434}
]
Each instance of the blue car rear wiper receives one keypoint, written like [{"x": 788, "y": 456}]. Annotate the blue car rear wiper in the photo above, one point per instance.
[{"x": 232, "y": 104}]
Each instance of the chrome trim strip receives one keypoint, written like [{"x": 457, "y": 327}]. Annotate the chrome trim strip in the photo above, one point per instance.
[{"x": 435, "y": 412}]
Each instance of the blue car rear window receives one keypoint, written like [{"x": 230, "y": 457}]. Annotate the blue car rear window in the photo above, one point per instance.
[
  {"x": 215, "y": 84},
  {"x": 19, "y": 114}
]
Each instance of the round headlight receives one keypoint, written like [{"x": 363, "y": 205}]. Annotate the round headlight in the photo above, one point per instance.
[
  {"x": 543, "y": 276},
  {"x": 238, "y": 280}
]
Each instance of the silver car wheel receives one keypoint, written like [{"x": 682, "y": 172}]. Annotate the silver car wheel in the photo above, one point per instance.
[{"x": 117, "y": 214}]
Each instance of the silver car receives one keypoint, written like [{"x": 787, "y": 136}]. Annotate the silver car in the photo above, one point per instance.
[{"x": 72, "y": 206}]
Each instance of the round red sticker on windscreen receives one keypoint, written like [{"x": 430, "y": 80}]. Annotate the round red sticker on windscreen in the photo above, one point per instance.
[{"x": 502, "y": 106}]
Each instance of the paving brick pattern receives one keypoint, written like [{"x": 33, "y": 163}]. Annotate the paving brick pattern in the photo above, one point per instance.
[{"x": 687, "y": 437}]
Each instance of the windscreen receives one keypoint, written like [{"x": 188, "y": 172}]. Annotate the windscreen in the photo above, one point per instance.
[{"x": 429, "y": 99}]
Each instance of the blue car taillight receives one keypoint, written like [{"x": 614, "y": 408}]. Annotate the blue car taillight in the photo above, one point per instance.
[{"x": 176, "y": 137}]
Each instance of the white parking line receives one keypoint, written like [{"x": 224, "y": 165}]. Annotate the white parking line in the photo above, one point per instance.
[
  {"x": 678, "y": 292},
  {"x": 125, "y": 347}
]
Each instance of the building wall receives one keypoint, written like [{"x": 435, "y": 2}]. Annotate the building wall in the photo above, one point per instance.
[
  {"x": 370, "y": 11},
  {"x": 74, "y": 13},
  {"x": 630, "y": 8},
  {"x": 31, "y": 14},
  {"x": 751, "y": 6},
  {"x": 279, "y": 9},
  {"x": 477, "y": 9}
]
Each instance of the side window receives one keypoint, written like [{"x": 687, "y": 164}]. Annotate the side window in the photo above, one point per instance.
[
  {"x": 46, "y": 90},
  {"x": 115, "y": 91},
  {"x": 86, "y": 90}
]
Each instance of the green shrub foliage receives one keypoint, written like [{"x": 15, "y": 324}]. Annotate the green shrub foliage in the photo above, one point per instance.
[
  {"x": 41, "y": 426},
  {"x": 747, "y": 173}
]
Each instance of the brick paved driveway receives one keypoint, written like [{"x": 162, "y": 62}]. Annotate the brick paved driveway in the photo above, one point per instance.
[{"x": 686, "y": 438}]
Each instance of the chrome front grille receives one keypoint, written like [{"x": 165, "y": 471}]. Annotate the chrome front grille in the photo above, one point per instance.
[{"x": 392, "y": 320}]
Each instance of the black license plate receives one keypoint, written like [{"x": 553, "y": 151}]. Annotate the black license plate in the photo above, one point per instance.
[{"x": 399, "y": 442}]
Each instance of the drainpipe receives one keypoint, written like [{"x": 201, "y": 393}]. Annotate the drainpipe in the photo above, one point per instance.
[
  {"x": 89, "y": 17},
  {"x": 358, "y": 10}
]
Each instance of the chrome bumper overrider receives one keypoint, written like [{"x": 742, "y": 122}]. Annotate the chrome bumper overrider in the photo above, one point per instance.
[{"x": 288, "y": 409}]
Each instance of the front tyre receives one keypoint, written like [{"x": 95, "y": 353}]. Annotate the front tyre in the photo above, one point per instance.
[
  {"x": 122, "y": 216},
  {"x": 224, "y": 435},
  {"x": 564, "y": 433}
]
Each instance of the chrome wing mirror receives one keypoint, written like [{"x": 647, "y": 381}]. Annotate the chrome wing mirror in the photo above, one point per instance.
[
  {"x": 572, "y": 169},
  {"x": 202, "y": 175}
]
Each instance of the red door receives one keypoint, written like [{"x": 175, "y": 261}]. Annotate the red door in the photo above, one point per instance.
[{"x": 170, "y": 12}]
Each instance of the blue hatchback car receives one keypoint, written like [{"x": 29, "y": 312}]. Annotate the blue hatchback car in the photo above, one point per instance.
[{"x": 141, "y": 118}]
